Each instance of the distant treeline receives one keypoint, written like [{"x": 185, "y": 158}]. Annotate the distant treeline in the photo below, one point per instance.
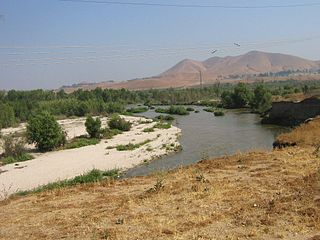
[{"x": 18, "y": 106}]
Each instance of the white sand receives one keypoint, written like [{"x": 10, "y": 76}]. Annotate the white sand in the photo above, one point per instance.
[{"x": 65, "y": 164}]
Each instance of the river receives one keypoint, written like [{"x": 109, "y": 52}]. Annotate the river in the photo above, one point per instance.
[{"x": 204, "y": 135}]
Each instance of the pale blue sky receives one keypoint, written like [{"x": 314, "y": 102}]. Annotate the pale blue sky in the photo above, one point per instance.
[{"x": 49, "y": 43}]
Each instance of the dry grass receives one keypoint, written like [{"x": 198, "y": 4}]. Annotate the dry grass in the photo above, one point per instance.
[
  {"x": 258, "y": 195},
  {"x": 304, "y": 136}
]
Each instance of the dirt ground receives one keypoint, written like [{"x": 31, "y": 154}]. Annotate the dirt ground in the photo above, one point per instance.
[{"x": 256, "y": 195}]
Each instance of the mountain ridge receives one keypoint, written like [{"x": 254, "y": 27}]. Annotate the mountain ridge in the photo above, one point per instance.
[{"x": 186, "y": 72}]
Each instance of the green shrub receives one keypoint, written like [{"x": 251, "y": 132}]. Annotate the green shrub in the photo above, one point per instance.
[
  {"x": 131, "y": 146},
  {"x": 7, "y": 118},
  {"x": 219, "y": 113},
  {"x": 190, "y": 109},
  {"x": 176, "y": 110},
  {"x": 116, "y": 122},
  {"x": 212, "y": 110},
  {"x": 14, "y": 150},
  {"x": 108, "y": 133},
  {"x": 165, "y": 118},
  {"x": 162, "y": 125},
  {"x": 20, "y": 158},
  {"x": 93, "y": 127},
  {"x": 147, "y": 130},
  {"x": 45, "y": 132},
  {"x": 13, "y": 147},
  {"x": 81, "y": 142},
  {"x": 137, "y": 110}
]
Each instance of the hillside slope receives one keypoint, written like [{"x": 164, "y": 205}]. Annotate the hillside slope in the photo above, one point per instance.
[
  {"x": 257, "y": 195},
  {"x": 186, "y": 72}
]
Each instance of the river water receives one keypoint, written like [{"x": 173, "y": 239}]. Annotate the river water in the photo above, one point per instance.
[{"x": 204, "y": 135}]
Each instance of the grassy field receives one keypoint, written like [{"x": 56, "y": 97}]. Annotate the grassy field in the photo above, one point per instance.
[{"x": 256, "y": 195}]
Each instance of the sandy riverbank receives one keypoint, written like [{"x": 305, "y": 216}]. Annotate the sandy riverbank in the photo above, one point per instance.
[{"x": 65, "y": 164}]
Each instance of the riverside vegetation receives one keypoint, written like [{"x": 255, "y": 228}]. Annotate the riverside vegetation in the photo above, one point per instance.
[{"x": 20, "y": 106}]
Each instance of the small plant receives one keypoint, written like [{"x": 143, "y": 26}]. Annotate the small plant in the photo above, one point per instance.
[
  {"x": 107, "y": 133},
  {"x": 219, "y": 113},
  {"x": 93, "y": 127},
  {"x": 190, "y": 109},
  {"x": 158, "y": 186},
  {"x": 131, "y": 146},
  {"x": 81, "y": 142},
  {"x": 116, "y": 122},
  {"x": 14, "y": 150},
  {"x": 162, "y": 125},
  {"x": 148, "y": 130},
  {"x": 137, "y": 110},
  {"x": 165, "y": 118},
  {"x": 149, "y": 149},
  {"x": 200, "y": 177},
  {"x": 209, "y": 109},
  {"x": 13, "y": 147}
]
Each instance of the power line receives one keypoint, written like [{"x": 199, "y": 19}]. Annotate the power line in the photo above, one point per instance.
[{"x": 297, "y": 5}]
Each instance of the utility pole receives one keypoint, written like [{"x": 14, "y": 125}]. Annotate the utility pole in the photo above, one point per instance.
[{"x": 200, "y": 76}]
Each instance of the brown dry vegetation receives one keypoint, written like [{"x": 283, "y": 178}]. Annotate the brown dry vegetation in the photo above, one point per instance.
[
  {"x": 307, "y": 134},
  {"x": 257, "y": 195}
]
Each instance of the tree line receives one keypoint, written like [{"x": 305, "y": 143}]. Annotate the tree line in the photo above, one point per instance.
[{"x": 19, "y": 106}]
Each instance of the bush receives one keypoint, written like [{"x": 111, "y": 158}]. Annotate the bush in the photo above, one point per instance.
[
  {"x": 137, "y": 110},
  {"x": 108, "y": 133},
  {"x": 148, "y": 130},
  {"x": 45, "y": 132},
  {"x": 7, "y": 118},
  {"x": 176, "y": 110},
  {"x": 13, "y": 147},
  {"x": 219, "y": 113},
  {"x": 211, "y": 110},
  {"x": 81, "y": 142},
  {"x": 14, "y": 150},
  {"x": 21, "y": 158},
  {"x": 190, "y": 109},
  {"x": 162, "y": 125},
  {"x": 93, "y": 127},
  {"x": 116, "y": 122},
  {"x": 131, "y": 146},
  {"x": 165, "y": 118}
]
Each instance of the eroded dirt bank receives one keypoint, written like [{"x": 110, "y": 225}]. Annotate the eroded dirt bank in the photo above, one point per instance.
[{"x": 257, "y": 195}]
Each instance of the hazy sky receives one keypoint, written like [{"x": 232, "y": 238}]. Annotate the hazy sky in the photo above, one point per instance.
[{"x": 50, "y": 43}]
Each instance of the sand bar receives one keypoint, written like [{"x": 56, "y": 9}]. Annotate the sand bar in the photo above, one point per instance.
[{"x": 66, "y": 164}]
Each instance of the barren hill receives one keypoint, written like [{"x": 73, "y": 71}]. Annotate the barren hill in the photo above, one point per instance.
[{"x": 186, "y": 72}]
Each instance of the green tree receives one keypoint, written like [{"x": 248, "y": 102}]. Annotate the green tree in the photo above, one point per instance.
[
  {"x": 241, "y": 95},
  {"x": 93, "y": 127},
  {"x": 226, "y": 99},
  {"x": 45, "y": 132},
  {"x": 7, "y": 118},
  {"x": 262, "y": 99}
]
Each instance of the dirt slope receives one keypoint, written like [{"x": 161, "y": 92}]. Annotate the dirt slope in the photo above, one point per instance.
[{"x": 257, "y": 195}]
